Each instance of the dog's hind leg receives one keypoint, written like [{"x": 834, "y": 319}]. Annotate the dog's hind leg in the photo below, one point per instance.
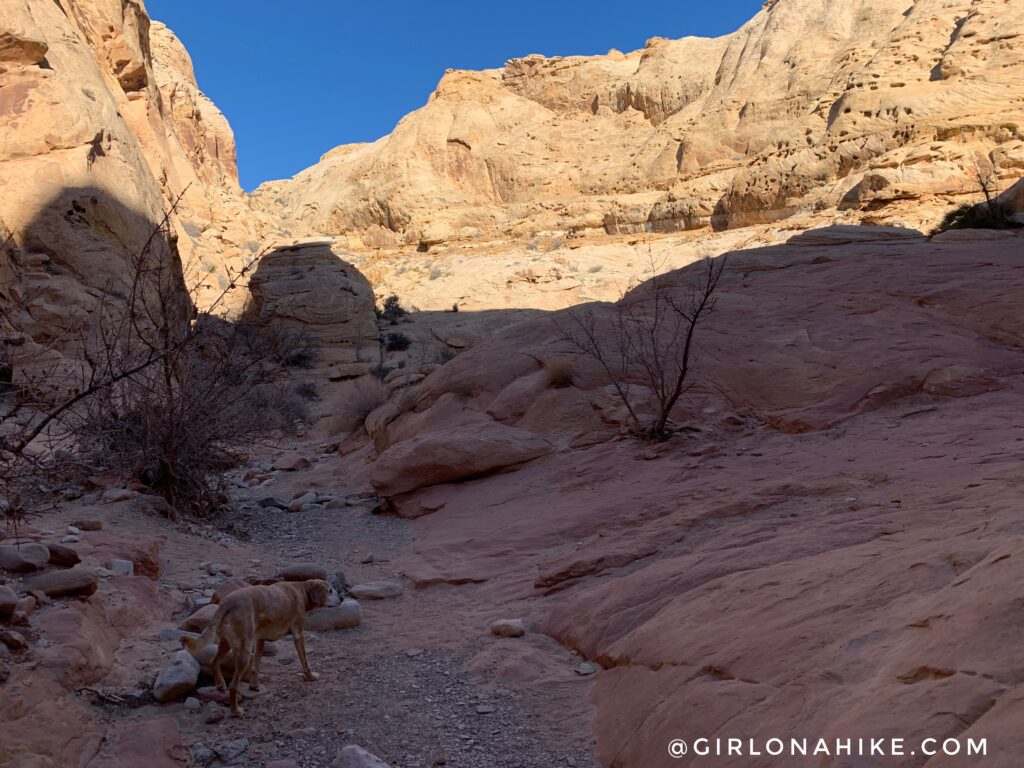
[
  {"x": 300, "y": 648},
  {"x": 254, "y": 678},
  {"x": 218, "y": 674},
  {"x": 243, "y": 661}
]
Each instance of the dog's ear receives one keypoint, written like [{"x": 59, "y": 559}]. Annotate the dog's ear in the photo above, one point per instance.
[{"x": 316, "y": 593}]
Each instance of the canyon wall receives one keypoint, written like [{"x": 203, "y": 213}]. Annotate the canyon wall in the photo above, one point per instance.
[{"x": 883, "y": 109}]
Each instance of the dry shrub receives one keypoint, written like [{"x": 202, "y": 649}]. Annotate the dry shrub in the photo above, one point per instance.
[
  {"x": 356, "y": 400},
  {"x": 560, "y": 371}
]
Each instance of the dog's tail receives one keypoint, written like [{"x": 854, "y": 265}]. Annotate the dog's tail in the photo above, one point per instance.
[{"x": 195, "y": 644}]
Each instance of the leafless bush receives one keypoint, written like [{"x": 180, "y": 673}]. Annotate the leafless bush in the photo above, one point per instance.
[
  {"x": 356, "y": 400},
  {"x": 648, "y": 339},
  {"x": 166, "y": 396}
]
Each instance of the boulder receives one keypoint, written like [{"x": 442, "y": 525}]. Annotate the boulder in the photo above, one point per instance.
[
  {"x": 344, "y": 616},
  {"x": 177, "y": 679},
  {"x": 65, "y": 557},
  {"x": 23, "y": 557},
  {"x": 74, "y": 582},
  {"x": 458, "y": 453},
  {"x": 227, "y": 587},
  {"x": 13, "y": 640},
  {"x": 302, "y": 572},
  {"x": 376, "y": 590},
  {"x": 199, "y": 620},
  {"x": 8, "y": 601},
  {"x": 508, "y": 628},
  {"x": 144, "y": 553},
  {"x": 292, "y": 462},
  {"x": 357, "y": 757}
]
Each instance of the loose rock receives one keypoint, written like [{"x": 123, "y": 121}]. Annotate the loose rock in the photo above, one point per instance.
[
  {"x": 13, "y": 640},
  {"x": 75, "y": 582},
  {"x": 302, "y": 572},
  {"x": 230, "y": 751},
  {"x": 508, "y": 628},
  {"x": 122, "y": 567},
  {"x": 63, "y": 556},
  {"x": 376, "y": 590},
  {"x": 357, "y": 757},
  {"x": 88, "y": 525},
  {"x": 8, "y": 602},
  {"x": 177, "y": 679},
  {"x": 23, "y": 557},
  {"x": 344, "y": 616},
  {"x": 199, "y": 620}
]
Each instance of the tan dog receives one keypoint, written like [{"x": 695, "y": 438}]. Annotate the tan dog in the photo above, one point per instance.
[{"x": 248, "y": 617}]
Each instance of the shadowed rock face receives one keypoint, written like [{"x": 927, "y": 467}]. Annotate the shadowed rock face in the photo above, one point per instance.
[
  {"x": 813, "y": 104},
  {"x": 325, "y": 303}
]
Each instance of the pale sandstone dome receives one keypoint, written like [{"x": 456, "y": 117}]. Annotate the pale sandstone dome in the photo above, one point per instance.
[{"x": 867, "y": 105}]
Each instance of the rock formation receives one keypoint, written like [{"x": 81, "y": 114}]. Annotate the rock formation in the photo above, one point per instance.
[{"x": 814, "y": 105}]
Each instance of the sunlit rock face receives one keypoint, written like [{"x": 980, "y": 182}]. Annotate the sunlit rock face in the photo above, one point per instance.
[
  {"x": 103, "y": 134},
  {"x": 880, "y": 108}
]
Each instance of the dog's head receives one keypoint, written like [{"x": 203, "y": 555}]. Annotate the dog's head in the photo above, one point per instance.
[{"x": 319, "y": 594}]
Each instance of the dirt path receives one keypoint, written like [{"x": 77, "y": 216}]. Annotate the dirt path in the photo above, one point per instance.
[{"x": 420, "y": 683}]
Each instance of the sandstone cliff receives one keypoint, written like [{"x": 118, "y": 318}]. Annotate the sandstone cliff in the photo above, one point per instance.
[{"x": 814, "y": 105}]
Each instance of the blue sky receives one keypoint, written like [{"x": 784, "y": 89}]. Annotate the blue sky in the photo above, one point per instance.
[{"x": 298, "y": 78}]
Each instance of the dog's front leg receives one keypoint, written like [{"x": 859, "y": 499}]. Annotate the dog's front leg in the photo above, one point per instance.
[{"x": 300, "y": 648}]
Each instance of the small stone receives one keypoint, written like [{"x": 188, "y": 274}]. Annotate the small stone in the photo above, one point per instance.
[
  {"x": 508, "y": 628},
  {"x": 74, "y": 582},
  {"x": 137, "y": 698},
  {"x": 376, "y": 590},
  {"x": 357, "y": 757},
  {"x": 27, "y": 604},
  {"x": 585, "y": 669},
  {"x": 192, "y": 704},
  {"x": 273, "y": 502},
  {"x": 88, "y": 525},
  {"x": 73, "y": 530},
  {"x": 412, "y": 653},
  {"x": 339, "y": 582},
  {"x": 8, "y": 601},
  {"x": 297, "y": 504},
  {"x": 113, "y": 495},
  {"x": 485, "y": 709},
  {"x": 230, "y": 751},
  {"x": 13, "y": 640},
  {"x": 214, "y": 713},
  {"x": 122, "y": 567},
  {"x": 63, "y": 556},
  {"x": 344, "y": 616},
  {"x": 202, "y": 754},
  {"x": 302, "y": 572},
  {"x": 69, "y": 539},
  {"x": 177, "y": 679},
  {"x": 214, "y": 568},
  {"x": 367, "y": 560},
  {"x": 292, "y": 462}
]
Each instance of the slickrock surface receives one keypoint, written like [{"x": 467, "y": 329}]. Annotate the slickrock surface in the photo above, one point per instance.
[
  {"x": 835, "y": 547},
  {"x": 869, "y": 105}
]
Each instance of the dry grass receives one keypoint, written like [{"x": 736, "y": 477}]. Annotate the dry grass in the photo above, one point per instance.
[{"x": 356, "y": 400}]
